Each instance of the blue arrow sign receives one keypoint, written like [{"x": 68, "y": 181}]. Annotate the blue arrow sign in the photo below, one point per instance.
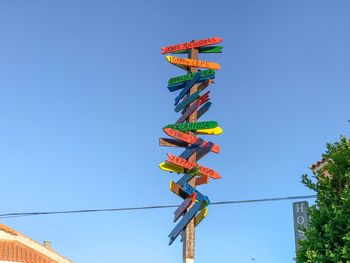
[
  {"x": 187, "y": 101},
  {"x": 188, "y": 87},
  {"x": 184, "y": 222},
  {"x": 181, "y": 85},
  {"x": 188, "y": 189},
  {"x": 192, "y": 149},
  {"x": 187, "y": 177},
  {"x": 202, "y": 151},
  {"x": 203, "y": 109}
]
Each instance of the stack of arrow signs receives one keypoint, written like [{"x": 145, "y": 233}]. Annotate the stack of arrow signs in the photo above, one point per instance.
[{"x": 195, "y": 203}]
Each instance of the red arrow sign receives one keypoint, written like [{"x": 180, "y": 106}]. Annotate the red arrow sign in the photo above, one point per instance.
[
  {"x": 192, "y": 44},
  {"x": 190, "y": 165},
  {"x": 180, "y": 135},
  {"x": 187, "y": 138},
  {"x": 180, "y": 161}
]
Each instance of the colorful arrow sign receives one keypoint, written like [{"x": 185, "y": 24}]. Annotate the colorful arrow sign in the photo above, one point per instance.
[
  {"x": 192, "y": 44},
  {"x": 188, "y": 62}
]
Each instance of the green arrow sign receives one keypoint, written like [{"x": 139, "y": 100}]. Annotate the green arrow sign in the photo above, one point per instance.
[
  {"x": 191, "y": 126},
  {"x": 187, "y": 77}
]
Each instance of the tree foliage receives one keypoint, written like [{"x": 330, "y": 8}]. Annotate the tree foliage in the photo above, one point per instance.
[{"x": 328, "y": 233}]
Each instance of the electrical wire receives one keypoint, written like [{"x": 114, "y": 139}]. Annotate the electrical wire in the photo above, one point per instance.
[{"x": 22, "y": 214}]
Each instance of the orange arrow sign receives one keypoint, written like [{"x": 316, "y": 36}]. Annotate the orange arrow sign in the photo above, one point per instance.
[
  {"x": 192, "y": 62},
  {"x": 176, "y": 189},
  {"x": 192, "y": 44},
  {"x": 204, "y": 179},
  {"x": 208, "y": 171}
]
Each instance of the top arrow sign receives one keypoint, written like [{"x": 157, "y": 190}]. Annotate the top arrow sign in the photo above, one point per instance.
[{"x": 192, "y": 44}]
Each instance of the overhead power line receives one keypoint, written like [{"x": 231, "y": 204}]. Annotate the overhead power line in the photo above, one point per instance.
[{"x": 22, "y": 214}]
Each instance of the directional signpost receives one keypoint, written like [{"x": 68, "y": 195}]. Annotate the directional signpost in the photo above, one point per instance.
[{"x": 192, "y": 104}]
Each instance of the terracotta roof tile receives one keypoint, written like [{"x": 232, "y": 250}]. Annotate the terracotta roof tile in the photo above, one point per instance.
[
  {"x": 8, "y": 230},
  {"x": 11, "y": 250}
]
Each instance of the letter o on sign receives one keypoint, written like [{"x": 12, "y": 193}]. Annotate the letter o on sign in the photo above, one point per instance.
[{"x": 300, "y": 220}]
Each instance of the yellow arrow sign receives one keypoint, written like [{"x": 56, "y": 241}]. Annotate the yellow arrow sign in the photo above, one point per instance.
[
  {"x": 212, "y": 131},
  {"x": 169, "y": 167},
  {"x": 203, "y": 213}
]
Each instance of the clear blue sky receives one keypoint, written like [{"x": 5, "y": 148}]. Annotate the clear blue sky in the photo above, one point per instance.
[{"x": 83, "y": 98}]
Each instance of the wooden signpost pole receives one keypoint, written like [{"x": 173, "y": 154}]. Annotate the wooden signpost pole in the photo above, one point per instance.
[{"x": 189, "y": 233}]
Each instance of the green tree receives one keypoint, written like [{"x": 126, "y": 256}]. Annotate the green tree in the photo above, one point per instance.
[{"x": 328, "y": 233}]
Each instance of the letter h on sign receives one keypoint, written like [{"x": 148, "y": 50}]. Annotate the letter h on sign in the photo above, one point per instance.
[{"x": 301, "y": 219}]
